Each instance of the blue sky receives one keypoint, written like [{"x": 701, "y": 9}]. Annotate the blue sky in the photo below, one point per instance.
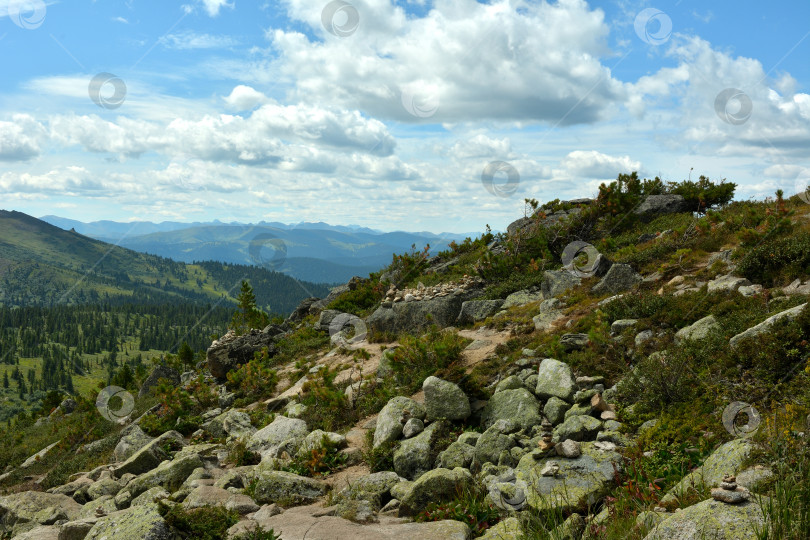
[{"x": 387, "y": 114}]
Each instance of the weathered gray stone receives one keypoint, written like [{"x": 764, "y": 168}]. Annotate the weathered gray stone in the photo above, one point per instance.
[
  {"x": 579, "y": 483},
  {"x": 231, "y": 351},
  {"x": 619, "y": 326},
  {"x": 727, "y": 283},
  {"x": 555, "y": 378},
  {"x": 578, "y": 428},
  {"x": 132, "y": 439},
  {"x": 375, "y": 488},
  {"x": 550, "y": 311},
  {"x": 555, "y": 410},
  {"x": 315, "y": 440},
  {"x": 23, "y": 511},
  {"x": 416, "y": 456},
  {"x": 522, "y": 297},
  {"x": 518, "y": 405},
  {"x": 458, "y": 454},
  {"x": 557, "y": 282},
  {"x": 473, "y": 311},
  {"x": 620, "y": 278},
  {"x": 237, "y": 424},
  {"x": 150, "y": 455},
  {"x": 574, "y": 342},
  {"x": 136, "y": 522},
  {"x": 412, "y": 427},
  {"x": 287, "y": 488},
  {"x": 765, "y": 326},
  {"x": 434, "y": 486},
  {"x": 413, "y": 317},
  {"x": 445, "y": 400},
  {"x": 712, "y": 519},
  {"x": 203, "y": 496},
  {"x": 169, "y": 474},
  {"x": 662, "y": 204},
  {"x": 389, "y": 421},
  {"x": 513, "y": 382},
  {"x": 279, "y": 431},
  {"x": 494, "y": 441},
  {"x": 698, "y": 330}
]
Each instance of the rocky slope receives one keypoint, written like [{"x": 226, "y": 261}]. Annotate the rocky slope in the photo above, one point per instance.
[{"x": 543, "y": 437}]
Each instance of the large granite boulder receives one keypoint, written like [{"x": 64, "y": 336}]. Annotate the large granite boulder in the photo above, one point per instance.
[
  {"x": 411, "y": 317},
  {"x": 282, "y": 431},
  {"x": 143, "y": 521},
  {"x": 727, "y": 459},
  {"x": 713, "y": 519},
  {"x": 620, "y": 278},
  {"x": 578, "y": 484},
  {"x": 518, "y": 405},
  {"x": 287, "y": 488},
  {"x": 765, "y": 326},
  {"x": 662, "y": 204},
  {"x": 555, "y": 378},
  {"x": 374, "y": 488},
  {"x": 698, "y": 330},
  {"x": 231, "y": 351},
  {"x": 169, "y": 474},
  {"x": 435, "y": 486},
  {"x": 473, "y": 311},
  {"x": 150, "y": 455},
  {"x": 389, "y": 421},
  {"x": 132, "y": 439},
  {"x": 557, "y": 282},
  {"x": 444, "y": 400},
  {"x": 23, "y": 511},
  {"x": 416, "y": 456}
]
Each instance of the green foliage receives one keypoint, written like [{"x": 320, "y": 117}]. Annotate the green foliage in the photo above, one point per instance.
[
  {"x": 469, "y": 506},
  {"x": 408, "y": 266},
  {"x": 381, "y": 458},
  {"x": 247, "y": 315},
  {"x": 208, "y": 523},
  {"x": 255, "y": 379},
  {"x": 257, "y": 534},
  {"x": 303, "y": 341},
  {"x": 239, "y": 455},
  {"x": 360, "y": 300},
  {"x": 322, "y": 460},
  {"x": 419, "y": 357},
  {"x": 326, "y": 403},
  {"x": 703, "y": 194},
  {"x": 778, "y": 260}
]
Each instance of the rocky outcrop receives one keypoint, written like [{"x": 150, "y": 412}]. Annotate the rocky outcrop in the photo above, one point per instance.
[
  {"x": 765, "y": 326},
  {"x": 662, "y": 204},
  {"x": 231, "y": 351},
  {"x": 417, "y": 315},
  {"x": 137, "y": 522},
  {"x": 287, "y": 488},
  {"x": 712, "y": 519},
  {"x": 434, "y": 486},
  {"x": 518, "y": 405},
  {"x": 699, "y": 330},
  {"x": 555, "y": 378},
  {"x": 158, "y": 373},
  {"x": 473, "y": 311},
  {"x": 24, "y": 511},
  {"x": 390, "y": 420},
  {"x": 620, "y": 278}
]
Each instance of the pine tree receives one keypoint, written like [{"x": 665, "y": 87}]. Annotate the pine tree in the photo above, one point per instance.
[
  {"x": 186, "y": 354},
  {"x": 248, "y": 315},
  {"x": 5, "y": 379}
]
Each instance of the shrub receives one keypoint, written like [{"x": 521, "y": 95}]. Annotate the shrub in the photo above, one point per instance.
[
  {"x": 777, "y": 260},
  {"x": 703, "y": 194},
  {"x": 209, "y": 523},
  {"x": 254, "y": 379},
  {"x": 470, "y": 507},
  {"x": 320, "y": 461},
  {"x": 239, "y": 455},
  {"x": 418, "y": 358}
]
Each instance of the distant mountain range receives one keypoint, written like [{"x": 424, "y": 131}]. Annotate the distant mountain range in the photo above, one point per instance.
[
  {"x": 41, "y": 264},
  {"x": 314, "y": 252}
]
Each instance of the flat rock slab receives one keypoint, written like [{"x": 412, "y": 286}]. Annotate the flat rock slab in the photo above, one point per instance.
[
  {"x": 299, "y": 523},
  {"x": 712, "y": 519}
]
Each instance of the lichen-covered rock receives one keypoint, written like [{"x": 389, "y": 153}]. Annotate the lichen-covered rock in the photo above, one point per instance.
[
  {"x": 765, "y": 326},
  {"x": 149, "y": 456},
  {"x": 698, "y": 330},
  {"x": 507, "y": 529},
  {"x": 389, "y": 421},
  {"x": 416, "y": 456},
  {"x": 579, "y": 483},
  {"x": 315, "y": 440},
  {"x": 237, "y": 424},
  {"x": 375, "y": 488},
  {"x": 555, "y": 409},
  {"x": 444, "y": 400},
  {"x": 477, "y": 310},
  {"x": 495, "y": 440},
  {"x": 136, "y": 522},
  {"x": 549, "y": 312},
  {"x": 20, "y": 512},
  {"x": 158, "y": 373},
  {"x": 132, "y": 439},
  {"x": 151, "y": 495},
  {"x": 287, "y": 488},
  {"x": 727, "y": 459},
  {"x": 103, "y": 486},
  {"x": 712, "y": 519},
  {"x": 557, "y": 282},
  {"x": 203, "y": 496},
  {"x": 578, "y": 428},
  {"x": 513, "y": 382},
  {"x": 419, "y": 316},
  {"x": 522, "y": 297},
  {"x": 570, "y": 529},
  {"x": 662, "y": 204},
  {"x": 77, "y": 529},
  {"x": 169, "y": 474},
  {"x": 620, "y": 278},
  {"x": 458, "y": 454},
  {"x": 555, "y": 378},
  {"x": 279, "y": 431},
  {"x": 518, "y": 405},
  {"x": 434, "y": 486}
]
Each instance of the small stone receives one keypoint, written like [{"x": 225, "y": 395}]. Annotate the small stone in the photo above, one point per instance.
[
  {"x": 568, "y": 449},
  {"x": 551, "y": 469},
  {"x": 731, "y": 496},
  {"x": 608, "y": 415},
  {"x": 412, "y": 427}
]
